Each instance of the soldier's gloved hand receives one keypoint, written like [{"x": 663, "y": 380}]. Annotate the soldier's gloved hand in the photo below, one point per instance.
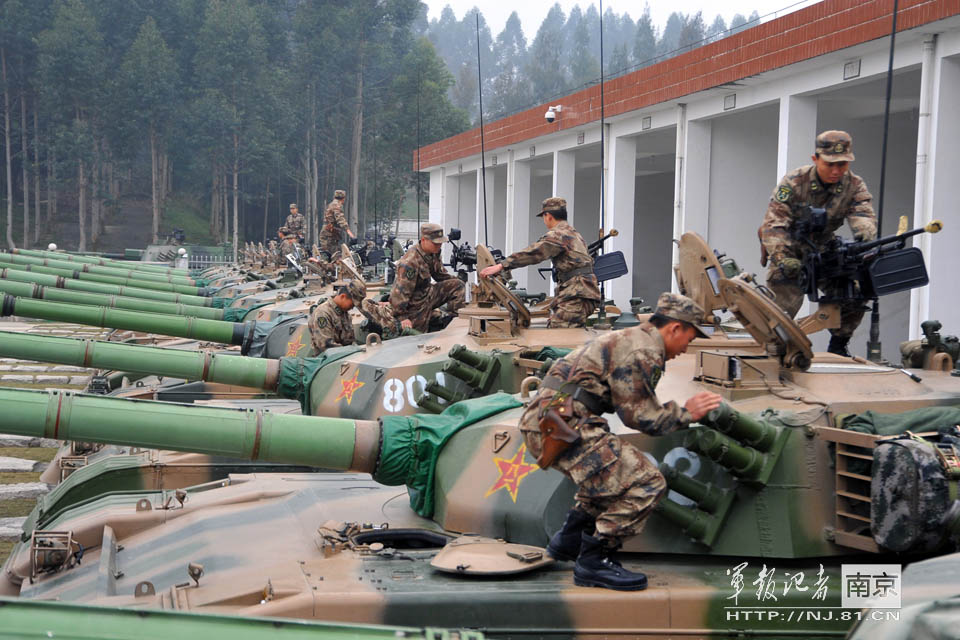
[
  {"x": 790, "y": 267},
  {"x": 702, "y": 404}
]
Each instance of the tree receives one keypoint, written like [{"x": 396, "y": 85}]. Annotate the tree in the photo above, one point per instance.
[
  {"x": 148, "y": 77},
  {"x": 645, "y": 40},
  {"x": 717, "y": 29},
  {"x": 545, "y": 69},
  {"x": 692, "y": 33},
  {"x": 509, "y": 92},
  {"x": 72, "y": 71}
]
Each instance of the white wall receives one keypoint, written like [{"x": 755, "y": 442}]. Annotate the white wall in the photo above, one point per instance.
[
  {"x": 743, "y": 173},
  {"x": 651, "y": 268}
]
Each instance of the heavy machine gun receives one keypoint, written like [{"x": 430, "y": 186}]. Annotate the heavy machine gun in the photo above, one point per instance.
[
  {"x": 846, "y": 270},
  {"x": 463, "y": 259}
]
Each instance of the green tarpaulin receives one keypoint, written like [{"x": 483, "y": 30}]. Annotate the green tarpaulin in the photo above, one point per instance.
[
  {"x": 412, "y": 444},
  {"x": 296, "y": 374}
]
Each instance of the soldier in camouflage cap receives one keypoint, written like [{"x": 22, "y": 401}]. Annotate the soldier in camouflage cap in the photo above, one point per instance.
[
  {"x": 827, "y": 183},
  {"x": 414, "y": 296},
  {"x": 617, "y": 486},
  {"x": 295, "y": 222},
  {"x": 329, "y": 322},
  {"x": 578, "y": 292},
  {"x": 334, "y": 224}
]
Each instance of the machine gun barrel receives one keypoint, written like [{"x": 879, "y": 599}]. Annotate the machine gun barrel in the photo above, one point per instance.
[
  {"x": 596, "y": 245},
  {"x": 858, "y": 248}
]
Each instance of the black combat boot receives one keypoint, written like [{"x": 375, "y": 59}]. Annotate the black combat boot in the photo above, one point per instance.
[
  {"x": 565, "y": 544},
  {"x": 838, "y": 345},
  {"x": 596, "y": 567}
]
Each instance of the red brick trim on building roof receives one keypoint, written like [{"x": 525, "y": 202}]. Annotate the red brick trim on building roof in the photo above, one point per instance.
[{"x": 813, "y": 31}]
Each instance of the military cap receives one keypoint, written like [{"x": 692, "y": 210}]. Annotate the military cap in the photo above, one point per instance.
[
  {"x": 677, "y": 307},
  {"x": 552, "y": 205},
  {"x": 339, "y": 193},
  {"x": 835, "y": 146},
  {"x": 356, "y": 290},
  {"x": 433, "y": 232}
]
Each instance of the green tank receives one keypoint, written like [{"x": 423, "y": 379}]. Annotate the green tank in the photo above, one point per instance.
[{"x": 770, "y": 497}]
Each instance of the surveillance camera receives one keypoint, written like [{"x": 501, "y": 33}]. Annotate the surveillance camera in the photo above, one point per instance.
[{"x": 550, "y": 115}]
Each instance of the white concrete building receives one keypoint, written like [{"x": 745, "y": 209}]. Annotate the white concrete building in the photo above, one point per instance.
[{"x": 699, "y": 141}]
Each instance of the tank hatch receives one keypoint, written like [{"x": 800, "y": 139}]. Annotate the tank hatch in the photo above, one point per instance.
[
  {"x": 478, "y": 556},
  {"x": 767, "y": 323}
]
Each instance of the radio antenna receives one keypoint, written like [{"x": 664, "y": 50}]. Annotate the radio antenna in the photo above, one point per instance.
[{"x": 483, "y": 162}]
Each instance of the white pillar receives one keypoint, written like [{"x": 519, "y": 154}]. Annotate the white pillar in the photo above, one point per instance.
[
  {"x": 518, "y": 212},
  {"x": 695, "y": 197},
  {"x": 435, "y": 195},
  {"x": 942, "y": 258},
  {"x": 798, "y": 130},
  {"x": 620, "y": 187},
  {"x": 564, "y": 173},
  {"x": 922, "y": 211}
]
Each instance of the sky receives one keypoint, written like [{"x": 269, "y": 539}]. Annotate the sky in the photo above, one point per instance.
[{"x": 532, "y": 13}]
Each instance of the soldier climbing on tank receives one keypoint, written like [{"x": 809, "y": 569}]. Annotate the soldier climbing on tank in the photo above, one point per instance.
[
  {"x": 563, "y": 427},
  {"x": 578, "y": 292},
  {"x": 414, "y": 296},
  {"x": 829, "y": 184},
  {"x": 334, "y": 224},
  {"x": 329, "y": 322}
]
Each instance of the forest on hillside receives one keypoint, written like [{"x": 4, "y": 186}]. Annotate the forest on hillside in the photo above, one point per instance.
[
  {"x": 564, "y": 54},
  {"x": 247, "y": 105}
]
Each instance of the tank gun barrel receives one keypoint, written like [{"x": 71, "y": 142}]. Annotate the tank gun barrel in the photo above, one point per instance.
[
  {"x": 22, "y": 273},
  {"x": 17, "y": 258},
  {"x": 332, "y": 443},
  {"x": 104, "y": 262},
  {"x": 71, "y": 271},
  {"x": 237, "y": 333},
  {"x": 224, "y": 368},
  {"x": 52, "y": 294}
]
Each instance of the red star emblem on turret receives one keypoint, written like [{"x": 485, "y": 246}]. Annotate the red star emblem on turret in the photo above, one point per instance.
[
  {"x": 512, "y": 471},
  {"x": 294, "y": 346},
  {"x": 349, "y": 387}
]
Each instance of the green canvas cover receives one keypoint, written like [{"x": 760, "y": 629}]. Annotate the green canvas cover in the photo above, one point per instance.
[
  {"x": 412, "y": 444},
  {"x": 296, "y": 374},
  {"x": 236, "y": 314},
  {"x": 917, "y": 420}
]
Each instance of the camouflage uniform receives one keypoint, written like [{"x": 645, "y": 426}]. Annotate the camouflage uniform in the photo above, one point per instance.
[
  {"x": 295, "y": 222},
  {"x": 413, "y": 296},
  {"x": 381, "y": 314},
  {"x": 616, "y": 484},
  {"x": 847, "y": 200},
  {"x": 334, "y": 223},
  {"x": 577, "y": 293},
  {"x": 329, "y": 325},
  {"x": 288, "y": 245}
]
